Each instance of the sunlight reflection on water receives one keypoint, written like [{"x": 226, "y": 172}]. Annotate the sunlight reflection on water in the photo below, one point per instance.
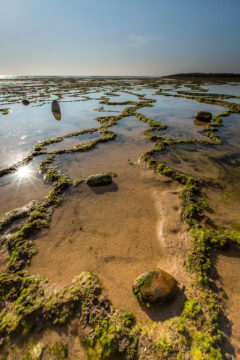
[{"x": 24, "y": 172}]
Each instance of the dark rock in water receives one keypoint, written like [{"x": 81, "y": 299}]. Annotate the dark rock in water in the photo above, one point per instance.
[
  {"x": 56, "y": 110},
  {"x": 26, "y": 102},
  {"x": 99, "y": 179},
  {"x": 155, "y": 286},
  {"x": 56, "y": 106},
  {"x": 203, "y": 116}
]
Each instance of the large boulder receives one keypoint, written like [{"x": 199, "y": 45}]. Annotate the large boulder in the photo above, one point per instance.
[
  {"x": 155, "y": 286},
  {"x": 203, "y": 116},
  {"x": 99, "y": 179}
]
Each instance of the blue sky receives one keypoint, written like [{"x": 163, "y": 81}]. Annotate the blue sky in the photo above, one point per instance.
[{"x": 119, "y": 37}]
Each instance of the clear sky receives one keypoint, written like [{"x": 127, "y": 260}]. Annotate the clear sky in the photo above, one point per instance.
[{"x": 119, "y": 37}]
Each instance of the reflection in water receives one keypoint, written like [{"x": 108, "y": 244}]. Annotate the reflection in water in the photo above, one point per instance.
[
  {"x": 24, "y": 172},
  {"x": 56, "y": 110},
  {"x": 57, "y": 115},
  {"x": 200, "y": 123}
]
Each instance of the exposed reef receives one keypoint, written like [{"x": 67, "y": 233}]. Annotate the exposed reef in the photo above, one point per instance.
[{"x": 104, "y": 331}]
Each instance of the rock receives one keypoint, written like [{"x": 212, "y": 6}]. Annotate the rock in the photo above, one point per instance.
[
  {"x": 203, "y": 116},
  {"x": 26, "y": 102},
  {"x": 99, "y": 179},
  {"x": 155, "y": 286},
  {"x": 56, "y": 107},
  {"x": 56, "y": 110}
]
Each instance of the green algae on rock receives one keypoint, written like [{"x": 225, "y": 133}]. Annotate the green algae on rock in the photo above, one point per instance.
[
  {"x": 155, "y": 286},
  {"x": 99, "y": 179},
  {"x": 5, "y": 111}
]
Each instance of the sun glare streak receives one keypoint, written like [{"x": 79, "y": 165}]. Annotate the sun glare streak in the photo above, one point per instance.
[
  {"x": 24, "y": 172},
  {"x": 24, "y": 177}
]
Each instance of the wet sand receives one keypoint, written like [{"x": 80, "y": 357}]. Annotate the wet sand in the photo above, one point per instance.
[{"x": 117, "y": 232}]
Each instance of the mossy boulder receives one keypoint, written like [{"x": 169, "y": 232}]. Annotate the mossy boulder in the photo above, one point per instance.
[
  {"x": 155, "y": 286},
  {"x": 99, "y": 179},
  {"x": 203, "y": 116}
]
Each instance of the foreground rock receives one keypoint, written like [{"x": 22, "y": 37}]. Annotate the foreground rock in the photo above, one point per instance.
[
  {"x": 155, "y": 286},
  {"x": 56, "y": 107},
  {"x": 203, "y": 116},
  {"x": 26, "y": 102},
  {"x": 99, "y": 179}
]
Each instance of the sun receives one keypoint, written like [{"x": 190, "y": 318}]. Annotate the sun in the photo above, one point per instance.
[{"x": 24, "y": 172}]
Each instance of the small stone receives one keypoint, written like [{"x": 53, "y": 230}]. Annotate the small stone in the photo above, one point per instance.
[
  {"x": 26, "y": 102},
  {"x": 203, "y": 116},
  {"x": 99, "y": 179},
  {"x": 56, "y": 106},
  {"x": 155, "y": 286}
]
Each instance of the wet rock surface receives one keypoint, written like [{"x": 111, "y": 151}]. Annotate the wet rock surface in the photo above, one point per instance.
[
  {"x": 25, "y": 102},
  {"x": 56, "y": 106},
  {"x": 203, "y": 116},
  {"x": 155, "y": 286},
  {"x": 99, "y": 179}
]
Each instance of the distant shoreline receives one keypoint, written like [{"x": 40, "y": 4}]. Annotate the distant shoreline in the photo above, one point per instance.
[
  {"x": 231, "y": 76},
  {"x": 198, "y": 75}
]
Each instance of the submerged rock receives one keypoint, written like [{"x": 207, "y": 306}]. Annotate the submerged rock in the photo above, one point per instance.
[
  {"x": 155, "y": 286},
  {"x": 56, "y": 106},
  {"x": 99, "y": 179},
  {"x": 203, "y": 116},
  {"x": 26, "y": 102}
]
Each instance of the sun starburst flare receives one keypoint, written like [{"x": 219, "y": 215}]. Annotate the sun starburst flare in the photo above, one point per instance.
[{"x": 24, "y": 172}]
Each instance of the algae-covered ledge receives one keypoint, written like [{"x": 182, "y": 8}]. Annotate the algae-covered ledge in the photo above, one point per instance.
[{"x": 105, "y": 331}]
